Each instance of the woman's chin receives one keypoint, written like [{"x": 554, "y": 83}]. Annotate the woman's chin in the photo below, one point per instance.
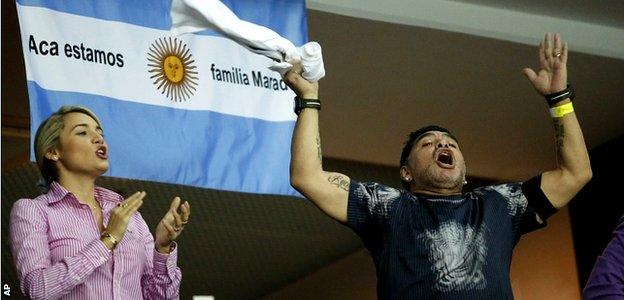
[{"x": 102, "y": 168}]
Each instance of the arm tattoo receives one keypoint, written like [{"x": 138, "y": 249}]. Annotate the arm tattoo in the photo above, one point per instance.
[
  {"x": 339, "y": 182},
  {"x": 318, "y": 148},
  {"x": 559, "y": 136}
]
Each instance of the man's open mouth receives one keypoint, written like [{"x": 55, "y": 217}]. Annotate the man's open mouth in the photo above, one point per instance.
[{"x": 445, "y": 159}]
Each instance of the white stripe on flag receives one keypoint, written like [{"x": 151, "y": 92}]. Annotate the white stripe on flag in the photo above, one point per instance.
[{"x": 266, "y": 99}]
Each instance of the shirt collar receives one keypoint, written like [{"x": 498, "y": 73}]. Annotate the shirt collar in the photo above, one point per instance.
[
  {"x": 103, "y": 194},
  {"x": 57, "y": 193},
  {"x": 440, "y": 197}
]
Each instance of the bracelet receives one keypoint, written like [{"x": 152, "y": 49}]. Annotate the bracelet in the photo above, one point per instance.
[
  {"x": 561, "y": 110},
  {"x": 172, "y": 247},
  {"x": 553, "y": 98},
  {"x": 111, "y": 238}
]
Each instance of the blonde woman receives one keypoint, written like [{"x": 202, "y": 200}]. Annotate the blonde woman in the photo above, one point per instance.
[{"x": 80, "y": 241}]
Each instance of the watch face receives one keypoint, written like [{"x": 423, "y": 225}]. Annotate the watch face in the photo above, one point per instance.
[{"x": 296, "y": 105}]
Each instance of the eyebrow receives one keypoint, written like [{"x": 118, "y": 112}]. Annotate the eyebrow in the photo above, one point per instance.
[
  {"x": 86, "y": 125},
  {"x": 426, "y": 134}
]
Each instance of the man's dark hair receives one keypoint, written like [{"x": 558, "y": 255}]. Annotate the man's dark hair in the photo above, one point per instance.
[{"x": 413, "y": 138}]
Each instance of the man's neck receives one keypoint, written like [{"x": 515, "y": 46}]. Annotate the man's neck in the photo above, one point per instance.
[{"x": 436, "y": 191}]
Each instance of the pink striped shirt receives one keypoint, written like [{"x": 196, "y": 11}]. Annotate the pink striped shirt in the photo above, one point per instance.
[{"x": 57, "y": 250}]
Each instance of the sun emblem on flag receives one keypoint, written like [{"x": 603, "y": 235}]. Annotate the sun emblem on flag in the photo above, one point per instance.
[{"x": 172, "y": 67}]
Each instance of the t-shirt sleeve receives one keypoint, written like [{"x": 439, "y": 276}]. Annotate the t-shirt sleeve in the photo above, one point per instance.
[
  {"x": 526, "y": 204},
  {"x": 369, "y": 205}
]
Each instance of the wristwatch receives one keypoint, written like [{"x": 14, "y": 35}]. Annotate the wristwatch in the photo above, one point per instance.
[
  {"x": 301, "y": 103},
  {"x": 554, "y": 98}
]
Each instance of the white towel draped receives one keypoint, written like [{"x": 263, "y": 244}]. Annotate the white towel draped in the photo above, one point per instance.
[{"x": 189, "y": 16}]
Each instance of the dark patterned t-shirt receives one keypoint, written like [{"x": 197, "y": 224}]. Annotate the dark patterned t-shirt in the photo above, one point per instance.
[{"x": 445, "y": 247}]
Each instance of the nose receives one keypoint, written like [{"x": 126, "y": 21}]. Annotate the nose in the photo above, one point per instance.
[
  {"x": 97, "y": 138},
  {"x": 442, "y": 143}
]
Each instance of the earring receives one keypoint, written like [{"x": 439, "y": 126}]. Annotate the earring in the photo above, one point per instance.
[
  {"x": 54, "y": 158},
  {"x": 408, "y": 179},
  {"x": 465, "y": 181}
]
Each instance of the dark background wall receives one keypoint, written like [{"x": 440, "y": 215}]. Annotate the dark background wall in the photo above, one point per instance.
[{"x": 595, "y": 211}]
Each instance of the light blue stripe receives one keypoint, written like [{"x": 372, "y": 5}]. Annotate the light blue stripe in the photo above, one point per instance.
[
  {"x": 286, "y": 17},
  {"x": 198, "y": 148}
]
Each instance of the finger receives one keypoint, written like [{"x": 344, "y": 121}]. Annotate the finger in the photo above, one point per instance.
[
  {"x": 557, "y": 48},
  {"x": 171, "y": 231},
  {"x": 186, "y": 212},
  {"x": 135, "y": 204},
  {"x": 297, "y": 67},
  {"x": 174, "y": 203},
  {"x": 138, "y": 196},
  {"x": 296, "y": 70},
  {"x": 134, "y": 196},
  {"x": 548, "y": 46},
  {"x": 564, "y": 53},
  {"x": 174, "y": 211},
  {"x": 129, "y": 199},
  {"x": 542, "y": 55},
  {"x": 530, "y": 74},
  {"x": 292, "y": 78}
]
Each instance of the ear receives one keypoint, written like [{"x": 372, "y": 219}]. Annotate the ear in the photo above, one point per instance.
[
  {"x": 52, "y": 154},
  {"x": 406, "y": 175}
]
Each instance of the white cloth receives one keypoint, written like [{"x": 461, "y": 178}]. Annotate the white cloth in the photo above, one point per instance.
[{"x": 196, "y": 15}]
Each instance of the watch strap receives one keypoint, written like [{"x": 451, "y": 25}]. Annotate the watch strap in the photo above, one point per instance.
[
  {"x": 301, "y": 103},
  {"x": 553, "y": 98}
]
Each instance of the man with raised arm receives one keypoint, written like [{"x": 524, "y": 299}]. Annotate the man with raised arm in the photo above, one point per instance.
[{"x": 430, "y": 240}]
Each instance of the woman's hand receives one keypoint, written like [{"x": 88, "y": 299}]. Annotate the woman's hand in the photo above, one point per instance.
[
  {"x": 120, "y": 216},
  {"x": 172, "y": 224}
]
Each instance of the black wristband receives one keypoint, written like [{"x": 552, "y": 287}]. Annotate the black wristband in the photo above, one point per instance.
[
  {"x": 554, "y": 98},
  {"x": 301, "y": 103}
]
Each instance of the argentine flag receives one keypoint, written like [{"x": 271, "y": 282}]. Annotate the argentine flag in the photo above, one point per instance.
[{"x": 197, "y": 109}]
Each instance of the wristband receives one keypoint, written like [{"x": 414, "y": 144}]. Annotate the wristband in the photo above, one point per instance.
[
  {"x": 112, "y": 239},
  {"x": 561, "y": 110},
  {"x": 553, "y": 98},
  {"x": 301, "y": 103}
]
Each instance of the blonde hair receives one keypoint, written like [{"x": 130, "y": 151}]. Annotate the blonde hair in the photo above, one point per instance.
[{"x": 47, "y": 138}]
